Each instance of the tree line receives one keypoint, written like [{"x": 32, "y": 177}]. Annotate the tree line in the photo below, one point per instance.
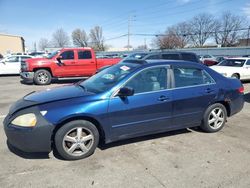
[
  {"x": 80, "y": 38},
  {"x": 225, "y": 31}
]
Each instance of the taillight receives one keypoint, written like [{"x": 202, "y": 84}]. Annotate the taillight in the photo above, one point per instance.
[{"x": 241, "y": 89}]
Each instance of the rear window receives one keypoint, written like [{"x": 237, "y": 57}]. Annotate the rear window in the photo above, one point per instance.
[
  {"x": 189, "y": 57},
  {"x": 185, "y": 77},
  {"x": 84, "y": 54},
  {"x": 171, "y": 56}
]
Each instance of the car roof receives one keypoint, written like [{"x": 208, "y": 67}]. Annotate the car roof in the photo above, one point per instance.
[{"x": 164, "y": 62}]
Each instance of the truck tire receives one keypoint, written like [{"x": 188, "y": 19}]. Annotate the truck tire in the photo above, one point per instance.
[
  {"x": 42, "y": 77},
  {"x": 76, "y": 140}
]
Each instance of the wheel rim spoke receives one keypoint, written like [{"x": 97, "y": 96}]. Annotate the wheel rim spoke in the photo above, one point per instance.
[
  {"x": 72, "y": 148},
  {"x": 87, "y": 138},
  {"x": 70, "y": 139},
  {"x": 79, "y": 133},
  {"x": 83, "y": 147}
]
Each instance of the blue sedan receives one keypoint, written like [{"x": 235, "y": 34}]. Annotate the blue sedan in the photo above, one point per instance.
[{"x": 127, "y": 100}]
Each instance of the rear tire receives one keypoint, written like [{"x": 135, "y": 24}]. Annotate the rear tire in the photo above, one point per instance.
[
  {"x": 42, "y": 77},
  {"x": 214, "y": 118},
  {"x": 76, "y": 140}
]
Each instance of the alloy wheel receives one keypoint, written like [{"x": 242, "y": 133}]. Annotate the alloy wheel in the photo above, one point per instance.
[
  {"x": 216, "y": 118},
  {"x": 78, "y": 141}
]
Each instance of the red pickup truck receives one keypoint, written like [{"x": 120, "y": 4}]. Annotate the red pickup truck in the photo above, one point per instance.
[{"x": 65, "y": 63}]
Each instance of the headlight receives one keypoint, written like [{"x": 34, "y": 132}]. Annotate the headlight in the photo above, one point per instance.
[{"x": 26, "y": 120}]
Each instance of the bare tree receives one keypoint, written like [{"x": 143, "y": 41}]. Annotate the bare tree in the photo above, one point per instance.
[
  {"x": 43, "y": 43},
  {"x": 201, "y": 28},
  {"x": 182, "y": 31},
  {"x": 79, "y": 38},
  {"x": 60, "y": 38},
  {"x": 176, "y": 36},
  {"x": 97, "y": 39},
  {"x": 227, "y": 30}
]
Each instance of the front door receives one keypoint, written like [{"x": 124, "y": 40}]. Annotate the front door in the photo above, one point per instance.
[
  {"x": 148, "y": 110},
  {"x": 66, "y": 66}
]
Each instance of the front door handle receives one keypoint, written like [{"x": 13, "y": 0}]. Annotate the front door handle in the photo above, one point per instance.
[{"x": 163, "y": 98}]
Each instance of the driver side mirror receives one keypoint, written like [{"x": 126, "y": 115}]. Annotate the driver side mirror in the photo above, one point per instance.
[
  {"x": 125, "y": 91},
  {"x": 59, "y": 58}
]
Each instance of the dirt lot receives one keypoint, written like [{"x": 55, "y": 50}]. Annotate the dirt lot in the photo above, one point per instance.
[{"x": 186, "y": 158}]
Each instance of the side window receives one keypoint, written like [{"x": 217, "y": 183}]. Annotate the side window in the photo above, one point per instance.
[
  {"x": 248, "y": 62},
  {"x": 153, "y": 57},
  {"x": 13, "y": 59},
  {"x": 189, "y": 57},
  {"x": 171, "y": 56},
  {"x": 84, "y": 54},
  {"x": 67, "y": 55},
  {"x": 153, "y": 79},
  {"x": 185, "y": 77}
]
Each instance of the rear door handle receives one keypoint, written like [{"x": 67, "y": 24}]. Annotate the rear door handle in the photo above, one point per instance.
[
  {"x": 209, "y": 90},
  {"x": 163, "y": 98}
]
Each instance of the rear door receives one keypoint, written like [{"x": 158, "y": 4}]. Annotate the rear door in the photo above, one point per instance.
[
  {"x": 193, "y": 90},
  {"x": 86, "y": 63}
]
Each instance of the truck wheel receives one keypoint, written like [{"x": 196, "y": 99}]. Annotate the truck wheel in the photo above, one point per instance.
[
  {"x": 42, "y": 77},
  {"x": 76, "y": 140},
  {"x": 214, "y": 118}
]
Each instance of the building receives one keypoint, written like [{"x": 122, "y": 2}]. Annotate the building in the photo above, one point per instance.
[
  {"x": 11, "y": 44},
  {"x": 244, "y": 42}
]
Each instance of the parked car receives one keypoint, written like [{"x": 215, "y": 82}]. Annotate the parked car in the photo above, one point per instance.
[
  {"x": 38, "y": 54},
  {"x": 12, "y": 64},
  {"x": 211, "y": 62},
  {"x": 124, "y": 101},
  {"x": 187, "y": 56},
  {"x": 234, "y": 67},
  {"x": 65, "y": 63},
  {"x": 207, "y": 57}
]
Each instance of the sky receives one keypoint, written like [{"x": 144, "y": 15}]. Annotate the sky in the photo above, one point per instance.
[{"x": 35, "y": 19}]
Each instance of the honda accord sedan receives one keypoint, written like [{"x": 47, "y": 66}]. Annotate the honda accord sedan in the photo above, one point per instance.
[{"x": 127, "y": 100}]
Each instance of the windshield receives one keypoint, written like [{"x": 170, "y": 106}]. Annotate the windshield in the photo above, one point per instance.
[
  {"x": 53, "y": 54},
  {"x": 106, "y": 79},
  {"x": 136, "y": 56},
  {"x": 232, "y": 62}
]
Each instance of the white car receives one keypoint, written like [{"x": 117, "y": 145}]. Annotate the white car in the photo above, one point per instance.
[
  {"x": 234, "y": 67},
  {"x": 12, "y": 64}
]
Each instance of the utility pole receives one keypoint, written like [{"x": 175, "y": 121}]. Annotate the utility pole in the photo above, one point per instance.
[
  {"x": 129, "y": 25},
  {"x": 248, "y": 35}
]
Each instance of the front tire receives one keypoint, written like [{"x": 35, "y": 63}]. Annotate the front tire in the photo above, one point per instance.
[
  {"x": 76, "y": 140},
  {"x": 214, "y": 118},
  {"x": 42, "y": 77}
]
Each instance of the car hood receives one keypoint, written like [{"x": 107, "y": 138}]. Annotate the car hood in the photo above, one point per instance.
[
  {"x": 49, "y": 95},
  {"x": 38, "y": 60}
]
